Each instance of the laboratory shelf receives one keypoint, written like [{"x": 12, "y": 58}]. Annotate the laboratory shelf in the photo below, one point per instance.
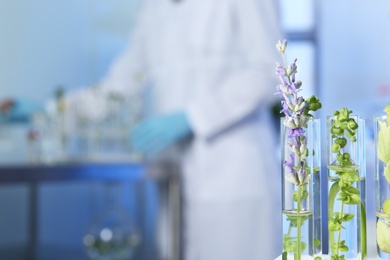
[
  {"x": 42, "y": 253},
  {"x": 165, "y": 175},
  {"x": 71, "y": 171}
]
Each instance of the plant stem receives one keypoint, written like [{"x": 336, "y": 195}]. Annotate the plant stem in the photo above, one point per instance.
[
  {"x": 363, "y": 230},
  {"x": 334, "y": 190},
  {"x": 285, "y": 66},
  {"x": 339, "y": 232},
  {"x": 299, "y": 238}
]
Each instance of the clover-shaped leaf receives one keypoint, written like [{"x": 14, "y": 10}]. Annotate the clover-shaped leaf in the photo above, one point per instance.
[
  {"x": 383, "y": 236},
  {"x": 384, "y": 142}
]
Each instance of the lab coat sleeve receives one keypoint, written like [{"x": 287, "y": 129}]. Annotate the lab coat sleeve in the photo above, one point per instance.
[
  {"x": 252, "y": 84},
  {"x": 128, "y": 71},
  {"x": 125, "y": 76}
]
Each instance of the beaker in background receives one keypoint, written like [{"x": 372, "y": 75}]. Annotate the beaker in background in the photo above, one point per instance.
[
  {"x": 44, "y": 140},
  {"x": 112, "y": 235}
]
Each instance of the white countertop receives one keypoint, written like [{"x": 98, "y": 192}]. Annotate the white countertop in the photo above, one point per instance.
[{"x": 324, "y": 257}]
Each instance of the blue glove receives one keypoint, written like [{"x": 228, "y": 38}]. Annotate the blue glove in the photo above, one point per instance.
[
  {"x": 18, "y": 110},
  {"x": 157, "y": 133}
]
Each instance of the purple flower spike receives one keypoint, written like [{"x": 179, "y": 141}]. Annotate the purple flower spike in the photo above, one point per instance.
[
  {"x": 281, "y": 89},
  {"x": 280, "y": 71},
  {"x": 285, "y": 108},
  {"x": 292, "y": 69},
  {"x": 289, "y": 164},
  {"x": 296, "y": 132},
  {"x": 296, "y": 116},
  {"x": 292, "y": 175},
  {"x": 303, "y": 177}
]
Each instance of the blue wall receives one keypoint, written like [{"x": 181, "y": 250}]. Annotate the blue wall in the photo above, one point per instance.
[{"x": 49, "y": 42}]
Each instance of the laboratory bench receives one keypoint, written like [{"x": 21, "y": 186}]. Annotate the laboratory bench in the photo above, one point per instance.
[{"x": 164, "y": 174}]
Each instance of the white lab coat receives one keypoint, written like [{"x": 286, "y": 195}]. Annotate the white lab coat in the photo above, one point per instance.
[{"x": 215, "y": 59}]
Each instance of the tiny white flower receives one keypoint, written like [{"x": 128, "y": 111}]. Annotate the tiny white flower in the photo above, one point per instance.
[{"x": 281, "y": 46}]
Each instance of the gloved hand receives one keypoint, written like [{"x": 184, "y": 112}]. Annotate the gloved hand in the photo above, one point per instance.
[
  {"x": 18, "y": 110},
  {"x": 157, "y": 133}
]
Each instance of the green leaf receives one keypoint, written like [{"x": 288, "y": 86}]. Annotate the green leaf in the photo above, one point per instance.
[
  {"x": 316, "y": 242},
  {"x": 343, "y": 247},
  {"x": 387, "y": 110},
  {"x": 292, "y": 246},
  {"x": 294, "y": 220},
  {"x": 305, "y": 194},
  {"x": 383, "y": 236},
  {"x": 289, "y": 245},
  {"x": 349, "y": 198},
  {"x": 303, "y": 246},
  {"x": 344, "y": 185},
  {"x": 347, "y": 217},
  {"x": 351, "y": 190},
  {"x": 349, "y": 176},
  {"x": 336, "y": 148},
  {"x": 386, "y": 206},
  {"x": 295, "y": 196},
  {"x": 341, "y": 141},
  {"x": 334, "y": 224},
  {"x": 336, "y": 215},
  {"x": 384, "y": 142},
  {"x": 387, "y": 173},
  {"x": 344, "y": 114},
  {"x": 284, "y": 255}
]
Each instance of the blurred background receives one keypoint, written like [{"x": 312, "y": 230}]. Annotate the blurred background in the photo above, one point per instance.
[{"x": 47, "y": 45}]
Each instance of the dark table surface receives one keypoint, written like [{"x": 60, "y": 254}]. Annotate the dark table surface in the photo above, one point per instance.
[{"x": 71, "y": 171}]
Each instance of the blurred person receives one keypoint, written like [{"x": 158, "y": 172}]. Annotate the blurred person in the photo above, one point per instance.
[{"x": 211, "y": 67}]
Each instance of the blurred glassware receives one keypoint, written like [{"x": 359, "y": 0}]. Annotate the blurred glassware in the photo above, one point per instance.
[
  {"x": 5, "y": 136},
  {"x": 59, "y": 115},
  {"x": 105, "y": 137},
  {"x": 115, "y": 125},
  {"x": 112, "y": 235},
  {"x": 44, "y": 138}
]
